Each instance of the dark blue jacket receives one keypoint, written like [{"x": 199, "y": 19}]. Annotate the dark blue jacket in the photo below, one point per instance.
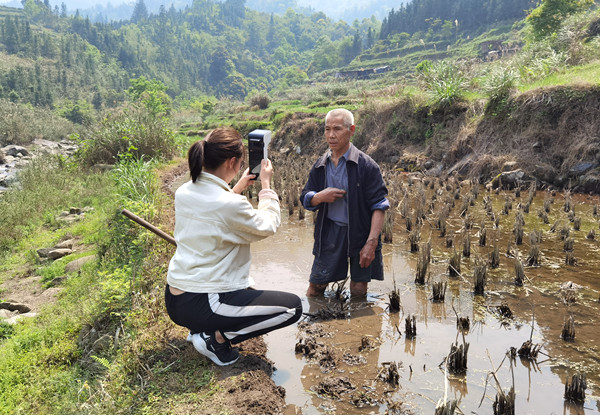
[{"x": 365, "y": 190}]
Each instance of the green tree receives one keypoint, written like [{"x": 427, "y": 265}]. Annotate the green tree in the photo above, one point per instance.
[
  {"x": 79, "y": 112},
  {"x": 547, "y": 18},
  {"x": 151, "y": 93},
  {"x": 140, "y": 12}
]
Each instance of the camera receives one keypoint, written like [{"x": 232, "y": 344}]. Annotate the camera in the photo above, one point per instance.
[{"x": 258, "y": 142}]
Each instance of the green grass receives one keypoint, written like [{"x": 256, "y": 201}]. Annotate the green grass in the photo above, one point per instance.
[
  {"x": 583, "y": 74},
  {"x": 46, "y": 366}
]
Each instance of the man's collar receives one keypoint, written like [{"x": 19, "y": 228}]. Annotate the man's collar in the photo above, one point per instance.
[{"x": 350, "y": 155}]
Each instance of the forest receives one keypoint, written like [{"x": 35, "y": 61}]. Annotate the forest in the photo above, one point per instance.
[{"x": 208, "y": 48}]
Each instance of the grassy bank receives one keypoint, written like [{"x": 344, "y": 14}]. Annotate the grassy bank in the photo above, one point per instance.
[{"x": 99, "y": 346}]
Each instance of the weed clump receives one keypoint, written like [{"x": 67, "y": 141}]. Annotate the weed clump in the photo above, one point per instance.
[
  {"x": 568, "y": 330},
  {"x": 480, "y": 277},
  {"x": 575, "y": 390}
]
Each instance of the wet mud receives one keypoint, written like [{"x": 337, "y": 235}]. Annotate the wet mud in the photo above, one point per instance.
[{"x": 364, "y": 362}]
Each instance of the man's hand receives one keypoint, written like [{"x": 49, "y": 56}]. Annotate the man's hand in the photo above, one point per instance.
[
  {"x": 328, "y": 195},
  {"x": 367, "y": 253}
]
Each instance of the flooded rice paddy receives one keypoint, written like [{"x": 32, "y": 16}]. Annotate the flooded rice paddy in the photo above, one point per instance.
[{"x": 365, "y": 363}]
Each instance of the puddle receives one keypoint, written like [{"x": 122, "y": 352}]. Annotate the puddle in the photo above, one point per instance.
[{"x": 283, "y": 262}]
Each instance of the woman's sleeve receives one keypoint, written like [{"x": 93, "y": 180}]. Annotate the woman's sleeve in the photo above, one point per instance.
[{"x": 248, "y": 224}]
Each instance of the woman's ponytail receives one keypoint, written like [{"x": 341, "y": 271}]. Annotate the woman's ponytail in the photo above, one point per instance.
[{"x": 196, "y": 159}]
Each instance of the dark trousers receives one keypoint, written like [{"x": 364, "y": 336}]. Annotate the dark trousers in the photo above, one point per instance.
[{"x": 238, "y": 315}]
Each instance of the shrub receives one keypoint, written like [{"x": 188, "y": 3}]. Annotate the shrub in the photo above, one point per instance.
[
  {"x": 499, "y": 83},
  {"x": 261, "y": 100},
  {"x": 46, "y": 186},
  {"x": 132, "y": 130},
  {"x": 445, "y": 82},
  {"x": 21, "y": 124}
]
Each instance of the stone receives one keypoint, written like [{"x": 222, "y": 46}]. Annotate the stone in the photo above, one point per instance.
[
  {"x": 582, "y": 168},
  {"x": 15, "y": 151},
  {"x": 590, "y": 183},
  {"x": 509, "y": 179},
  {"x": 15, "y": 319},
  {"x": 77, "y": 264},
  {"x": 59, "y": 253},
  {"x": 64, "y": 244},
  {"x": 7, "y": 313},
  {"x": 43, "y": 252},
  {"x": 509, "y": 166},
  {"x": 20, "y": 308}
]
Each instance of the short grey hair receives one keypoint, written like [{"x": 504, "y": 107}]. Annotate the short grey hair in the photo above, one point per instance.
[{"x": 347, "y": 116}]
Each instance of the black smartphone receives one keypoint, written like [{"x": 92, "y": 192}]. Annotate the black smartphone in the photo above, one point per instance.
[{"x": 258, "y": 142}]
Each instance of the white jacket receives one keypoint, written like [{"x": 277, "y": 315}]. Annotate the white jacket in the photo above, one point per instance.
[{"x": 214, "y": 228}]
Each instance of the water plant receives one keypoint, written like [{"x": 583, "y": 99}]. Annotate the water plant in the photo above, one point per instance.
[
  {"x": 568, "y": 330},
  {"x": 422, "y": 266},
  {"x": 575, "y": 390},
  {"x": 410, "y": 327},
  {"x": 466, "y": 244},
  {"x": 519, "y": 272},
  {"x": 480, "y": 276},
  {"x": 439, "y": 291},
  {"x": 494, "y": 256},
  {"x": 454, "y": 264}
]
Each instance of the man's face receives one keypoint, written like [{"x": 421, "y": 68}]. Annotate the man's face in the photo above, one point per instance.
[{"x": 338, "y": 135}]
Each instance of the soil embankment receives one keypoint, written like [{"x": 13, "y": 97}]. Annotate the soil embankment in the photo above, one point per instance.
[{"x": 550, "y": 134}]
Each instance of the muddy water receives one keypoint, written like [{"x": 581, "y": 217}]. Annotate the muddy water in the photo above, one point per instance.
[{"x": 539, "y": 310}]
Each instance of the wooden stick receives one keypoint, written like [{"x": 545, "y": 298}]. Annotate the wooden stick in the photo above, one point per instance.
[{"x": 149, "y": 226}]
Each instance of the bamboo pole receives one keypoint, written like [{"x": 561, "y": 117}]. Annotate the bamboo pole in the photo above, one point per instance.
[{"x": 149, "y": 226}]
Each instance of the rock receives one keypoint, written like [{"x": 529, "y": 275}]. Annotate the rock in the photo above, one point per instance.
[
  {"x": 582, "y": 168},
  {"x": 15, "y": 319},
  {"x": 76, "y": 265},
  {"x": 64, "y": 244},
  {"x": 68, "y": 218},
  {"x": 21, "y": 308},
  {"x": 590, "y": 183},
  {"x": 509, "y": 166},
  {"x": 15, "y": 151},
  {"x": 46, "y": 146},
  {"x": 43, "y": 252},
  {"x": 436, "y": 170},
  {"x": 508, "y": 179},
  {"x": 544, "y": 172},
  {"x": 59, "y": 253},
  {"x": 7, "y": 313}
]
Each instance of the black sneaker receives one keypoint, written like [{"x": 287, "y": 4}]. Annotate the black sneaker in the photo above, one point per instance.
[{"x": 220, "y": 353}]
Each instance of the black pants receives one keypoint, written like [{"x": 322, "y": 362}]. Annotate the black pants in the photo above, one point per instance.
[{"x": 238, "y": 315}]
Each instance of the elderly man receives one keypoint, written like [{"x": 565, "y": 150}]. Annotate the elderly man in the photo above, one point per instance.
[{"x": 345, "y": 186}]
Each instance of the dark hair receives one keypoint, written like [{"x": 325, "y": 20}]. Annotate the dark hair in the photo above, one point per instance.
[{"x": 219, "y": 145}]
